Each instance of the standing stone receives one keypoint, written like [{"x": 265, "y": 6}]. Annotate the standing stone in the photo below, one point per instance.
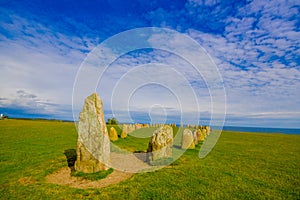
[
  {"x": 187, "y": 141},
  {"x": 201, "y": 136},
  {"x": 130, "y": 128},
  {"x": 113, "y": 135},
  {"x": 125, "y": 128},
  {"x": 138, "y": 126},
  {"x": 124, "y": 131},
  {"x": 204, "y": 131},
  {"x": 160, "y": 144},
  {"x": 123, "y": 135},
  {"x": 195, "y": 137},
  {"x": 207, "y": 130},
  {"x": 198, "y": 134},
  {"x": 93, "y": 145}
]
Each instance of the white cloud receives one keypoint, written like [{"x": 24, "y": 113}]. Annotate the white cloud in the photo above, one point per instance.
[
  {"x": 255, "y": 61},
  {"x": 41, "y": 61}
]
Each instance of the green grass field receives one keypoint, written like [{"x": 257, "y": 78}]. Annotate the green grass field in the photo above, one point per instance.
[{"x": 241, "y": 166}]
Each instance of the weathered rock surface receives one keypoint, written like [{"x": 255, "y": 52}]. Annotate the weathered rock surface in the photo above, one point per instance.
[
  {"x": 93, "y": 146},
  {"x": 128, "y": 128},
  {"x": 113, "y": 135},
  {"x": 204, "y": 132},
  {"x": 124, "y": 131},
  {"x": 207, "y": 130},
  {"x": 123, "y": 135},
  {"x": 187, "y": 141},
  {"x": 160, "y": 144},
  {"x": 201, "y": 135},
  {"x": 195, "y": 137}
]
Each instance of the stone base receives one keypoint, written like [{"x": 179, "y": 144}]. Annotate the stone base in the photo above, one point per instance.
[
  {"x": 160, "y": 157},
  {"x": 165, "y": 152},
  {"x": 86, "y": 162},
  {"x": 160, "y": 145}
]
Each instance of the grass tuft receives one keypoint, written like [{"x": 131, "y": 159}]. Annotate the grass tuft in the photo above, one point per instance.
[{"x": 93, "y": 176}]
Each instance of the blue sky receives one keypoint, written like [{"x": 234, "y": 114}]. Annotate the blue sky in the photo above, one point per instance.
[{"x": 254, "y": 44}]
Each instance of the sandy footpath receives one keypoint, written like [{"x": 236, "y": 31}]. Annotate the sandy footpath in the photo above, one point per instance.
[{"x": 63, "y": 177}]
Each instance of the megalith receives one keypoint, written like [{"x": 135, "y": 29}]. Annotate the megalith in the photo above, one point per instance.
[
  {"x": 187, "y": 141},
  {"x": 124, "y": 131},
  {"x": 113, "y": 135},
  {"x": 160, "y": 144},
  {"x": 201, "y": 135},
  {"x": 207, "y": 130},
  {"x": 195, "y": 137},
  {"x": 93, "y": 145}
]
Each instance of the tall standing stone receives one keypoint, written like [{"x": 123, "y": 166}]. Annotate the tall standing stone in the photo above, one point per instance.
[
  {"x": 113, "y": 135},
  {"x": 124, "y": 131},
  {"x": 187, "y": 141},
  {"x": 130, "y": 128},
  {"x": 123, "y": 135},
  {"x": 160, "y": 144},
  {"x": 201, "y": 135},
  {"x": 198, "y": 134},
  {"x": 93, "y": 145},
  {"x": 207, "y": 130},
  {"x": 195, "y": 137},
  {"x": 204, "y": 131}
]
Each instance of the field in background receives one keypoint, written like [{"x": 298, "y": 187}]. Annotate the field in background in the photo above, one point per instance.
[{"x": 241, "y": 166}]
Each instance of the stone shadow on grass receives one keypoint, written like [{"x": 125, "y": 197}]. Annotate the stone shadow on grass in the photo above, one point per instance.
[
  {"x": 177, "y": 146},
  {"x": 71, "y": 157}
]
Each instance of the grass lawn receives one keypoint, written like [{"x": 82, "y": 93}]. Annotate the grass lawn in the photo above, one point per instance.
[{"x": 241, "y": 166}]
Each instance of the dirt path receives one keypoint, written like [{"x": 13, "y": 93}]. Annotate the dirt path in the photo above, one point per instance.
[
  {"x": 125, "y": 165},
  {"x": 63, "y": 177},
  {"x": 132, "y": 162}
]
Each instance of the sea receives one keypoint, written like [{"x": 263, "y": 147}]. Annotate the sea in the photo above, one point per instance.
[{"x": 260, "y": 129}]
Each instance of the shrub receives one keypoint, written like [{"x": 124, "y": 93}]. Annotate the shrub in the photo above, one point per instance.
[{"x": 112, "y": 121}]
